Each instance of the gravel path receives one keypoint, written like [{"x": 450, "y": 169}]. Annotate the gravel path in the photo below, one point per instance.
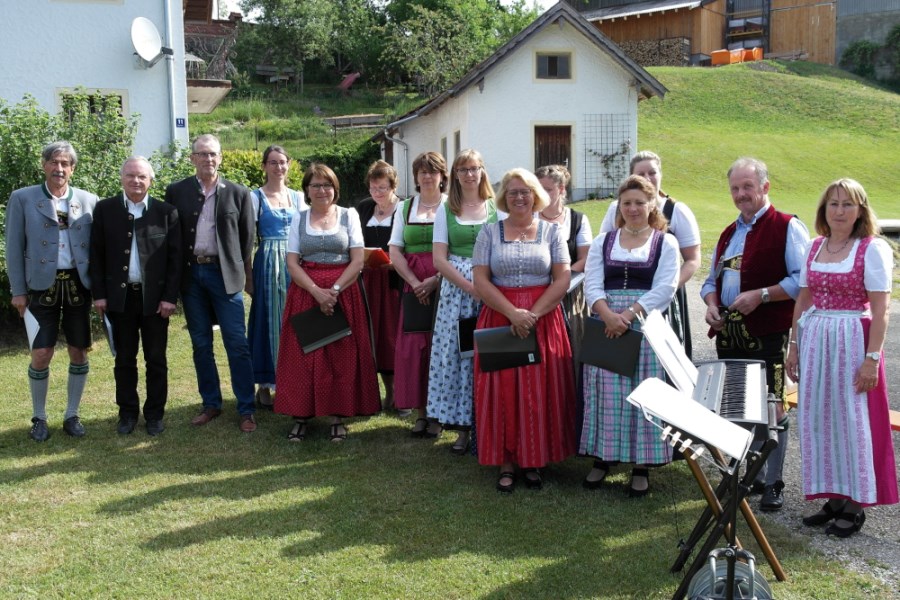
[{"x": 875, "y": 549}]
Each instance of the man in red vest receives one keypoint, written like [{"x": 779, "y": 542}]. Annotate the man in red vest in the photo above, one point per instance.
[{"x": 750, "y": 295}]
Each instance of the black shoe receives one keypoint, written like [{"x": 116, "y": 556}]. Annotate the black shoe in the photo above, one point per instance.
[
  {"x": 827, "y": 513},
  {"x": 757, "y": 488},
  {"x": 594, "y": 484},
  {"x": 533, "y": 479},
  {"x": 506, "y": 488},
  {"x": 125, "y": 425},
  {"x": 773, "y": 498},
  {"x": 73, "y": 427},
  {"x": 155, "y": 427},
  {"x": 636, "y": 493},
  {"x": 39, "y": 430},
  {"x": 856, "y": 523}
]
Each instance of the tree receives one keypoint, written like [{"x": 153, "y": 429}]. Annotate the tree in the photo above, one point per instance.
[
  {"x": 291, "y": 33},
  {"x": 434, "y": 42}
]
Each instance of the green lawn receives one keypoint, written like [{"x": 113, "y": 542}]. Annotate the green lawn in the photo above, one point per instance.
[{"x": 213, "y": 513}]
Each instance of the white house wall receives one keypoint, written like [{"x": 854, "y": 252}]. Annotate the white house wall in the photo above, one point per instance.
[
  {"x": 52, "y": 46},
  {"x": 500, "y": 120}
]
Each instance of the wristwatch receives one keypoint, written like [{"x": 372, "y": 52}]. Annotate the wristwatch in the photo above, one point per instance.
[
  {"x": 336, "y": 288},
  {"x": 876, "y": 356},
  {"x": 764, "y": 294}
]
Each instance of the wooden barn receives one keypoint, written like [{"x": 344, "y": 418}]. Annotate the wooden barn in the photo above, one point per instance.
[{"x": 673, "y": 32}]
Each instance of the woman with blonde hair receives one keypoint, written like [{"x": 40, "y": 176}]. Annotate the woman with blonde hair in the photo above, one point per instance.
[
  {"x": 836, "y": 356},
  {"x": 630, "y": 272},
  {"x": 524, "y": 415},
  {"x": 469, "y": 206},
  {"x": 683, "y": 225}
]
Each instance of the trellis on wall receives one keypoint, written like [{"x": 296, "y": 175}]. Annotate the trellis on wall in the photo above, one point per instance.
[{"x": 606, "y": 152}]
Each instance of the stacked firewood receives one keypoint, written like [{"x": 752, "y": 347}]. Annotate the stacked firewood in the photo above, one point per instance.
[{"x": 671, "y": 52}]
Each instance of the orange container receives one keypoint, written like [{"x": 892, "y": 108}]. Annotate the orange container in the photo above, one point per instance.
[
  {"x": 726, "y": 57},
  {"x": 751, "y": 54}
]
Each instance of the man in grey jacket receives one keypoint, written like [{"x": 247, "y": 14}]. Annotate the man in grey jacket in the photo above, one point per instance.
[{"x": 48, "y": 231}]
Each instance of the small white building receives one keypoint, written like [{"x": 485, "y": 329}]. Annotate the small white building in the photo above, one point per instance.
[
  {"x": 560, "y": 92},
  {"x": 51, "y": 47}
]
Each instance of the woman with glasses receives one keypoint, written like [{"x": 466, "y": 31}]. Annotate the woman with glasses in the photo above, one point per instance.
[
  {"x": 382, "y": 284},
  {"x": 410, "y": 251},
  {"x": 683, "y": 225},
  {"x": 274, "y": 205},
  {"x": 324, "y": 258},
  {"x": 629, "y": 272},
  {"x": 469, "y": 206},
  {"x": 524, "y": 415}
]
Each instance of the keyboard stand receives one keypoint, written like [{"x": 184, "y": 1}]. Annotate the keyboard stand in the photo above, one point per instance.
[{"x": 718, "y": 511}]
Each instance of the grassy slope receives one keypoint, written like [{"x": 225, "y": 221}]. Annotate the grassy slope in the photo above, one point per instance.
[{"x": 202, "y": 513}]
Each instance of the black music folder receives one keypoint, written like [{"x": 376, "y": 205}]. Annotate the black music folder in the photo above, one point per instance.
[
  {"x": 465, "y": 333},
  {"x": 498, "y": 348},
  {"x": 619, "y": 355},
  {"x": 315, "y": 329},
  {"x": 417, "y": 317}
]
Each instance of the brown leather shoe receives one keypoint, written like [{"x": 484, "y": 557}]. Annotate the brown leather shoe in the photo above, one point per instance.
[
  {"x": 248, "y": 423},
  {"x": 207, "y": 415}
]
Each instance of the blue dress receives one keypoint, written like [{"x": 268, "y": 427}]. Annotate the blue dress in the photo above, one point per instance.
[{"x": 270, "y": 284}]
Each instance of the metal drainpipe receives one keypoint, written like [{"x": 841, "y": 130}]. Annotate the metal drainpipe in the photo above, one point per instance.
[
  {"x": 170, "y": 62},
  {"x": 406, "y": 154}
]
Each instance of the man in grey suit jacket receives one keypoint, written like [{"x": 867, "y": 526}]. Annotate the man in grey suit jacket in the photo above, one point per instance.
[
  {"x": 135, "y": 279},
  {"x": 48, "y": 230},
  {"x": 217, "y": 230}
]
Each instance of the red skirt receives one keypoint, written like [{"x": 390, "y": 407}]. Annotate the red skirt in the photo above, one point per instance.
[
  {"x": 526, "y": 415},
  {"x": 337, "y": 379},
  {"x": 384, "y": 306},
  {"x": 413, "y": 350}
]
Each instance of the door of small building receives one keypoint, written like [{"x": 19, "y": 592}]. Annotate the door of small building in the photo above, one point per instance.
[{"x": 552, "y": 145}]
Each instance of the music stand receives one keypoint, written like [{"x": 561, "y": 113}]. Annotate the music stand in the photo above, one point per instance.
[
  {"x": 684, "y": 418},
  {"x": 683, "y": 374}
]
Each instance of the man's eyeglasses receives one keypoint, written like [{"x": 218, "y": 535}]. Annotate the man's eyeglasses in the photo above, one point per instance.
[
  {"x": 205, "y": 154},
  {"x": 321, "y": 186},
  {"x": 467, "y": 170},
  {"x": 518, "y": 193}
]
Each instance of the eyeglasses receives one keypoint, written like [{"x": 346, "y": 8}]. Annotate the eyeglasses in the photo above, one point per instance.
[
  {"x": 518, "y": 193},
  {"x": 205, "y": 154},
  {"x": 278, "y": 163},
  {"x": 321, "y": 186},
  {"x": 379, "y": 190},
  {"x": 467, "y": 170}
]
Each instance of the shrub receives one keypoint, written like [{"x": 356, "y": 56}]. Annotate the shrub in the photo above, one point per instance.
[
  {"x": 93, "y": 124},
  {"x": 350, "y": 164},
  {"x": 859, "y": 58}
]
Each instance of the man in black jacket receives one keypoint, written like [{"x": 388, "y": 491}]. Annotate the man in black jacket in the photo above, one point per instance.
[
  {"x": 217, "y": 232},
  {"x": 135, "y": 275}
]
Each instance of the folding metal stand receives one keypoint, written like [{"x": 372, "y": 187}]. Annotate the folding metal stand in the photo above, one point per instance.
[{"x": 731, "y": 491}]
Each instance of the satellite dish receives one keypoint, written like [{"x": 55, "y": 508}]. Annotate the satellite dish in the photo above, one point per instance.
[{"x": 147, "y": 43}]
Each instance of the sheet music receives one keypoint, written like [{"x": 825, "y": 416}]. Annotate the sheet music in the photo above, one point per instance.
[
  {"x": 659, "y": 399},
  {"x": 108, "y": 328},
  {"x": 670, "y": 352},
  {"x": 31, "y": 327}
]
